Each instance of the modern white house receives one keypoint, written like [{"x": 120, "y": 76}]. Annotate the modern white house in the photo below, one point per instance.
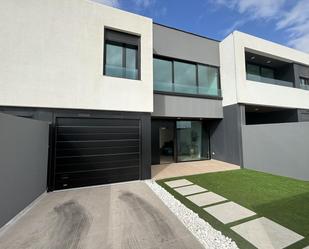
[{"x": 122, "y": 93}]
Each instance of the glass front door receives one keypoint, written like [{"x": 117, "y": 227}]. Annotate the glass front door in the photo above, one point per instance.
[{"x": 192, "y": 141}]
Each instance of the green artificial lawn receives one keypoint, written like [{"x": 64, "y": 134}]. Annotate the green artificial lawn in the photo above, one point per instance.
[{"x": 281, "y": 199}]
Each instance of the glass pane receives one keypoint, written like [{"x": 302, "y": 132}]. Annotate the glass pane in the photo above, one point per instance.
[
  {"x": 162, "y": 71},
  {"x": 185, "y": 73},
  {"x": 253, "y": 72},
  {"x": 162, "y": 75},
  {"x": 185, "y": 77},
  {"x": 131, "y": 63},
  {"x": 208, "y": 80},
  {"x": 192, "y": 141},
  {"x": 113, "y": 60},
  {"x": 267, "y": 72}
]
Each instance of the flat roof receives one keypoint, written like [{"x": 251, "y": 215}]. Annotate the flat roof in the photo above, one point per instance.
[{"x": 187, "y": 32}]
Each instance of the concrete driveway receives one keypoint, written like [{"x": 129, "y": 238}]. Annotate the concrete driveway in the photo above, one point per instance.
[{"x": 127, "y": 215}]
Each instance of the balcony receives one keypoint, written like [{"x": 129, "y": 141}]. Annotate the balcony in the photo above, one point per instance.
[
  {"x": 272, "y": 81},
  {"x": 266, "y": 69},
  {"x": 186, "y": 89}
]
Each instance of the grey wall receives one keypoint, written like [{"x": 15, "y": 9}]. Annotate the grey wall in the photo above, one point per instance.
[
  {"x": 285, "y": 73},
  {"x": 225, "y": 135},
  {"x": 186, "y": 107},
  {"x": 280, "y": 149},
  {"x": 300, "y": 71},
  {"x": 303, "y": 115},
  {"x": 23, "y": 163},
  {"x": 178, "y": 44}
]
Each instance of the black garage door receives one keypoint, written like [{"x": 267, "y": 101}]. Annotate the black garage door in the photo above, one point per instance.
[{"x": 92, "y": 151}]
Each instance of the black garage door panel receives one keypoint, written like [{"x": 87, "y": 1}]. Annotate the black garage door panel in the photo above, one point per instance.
[
  {"x": 82, "y": 122},
  {"x": 94, "y": 144},
  {"x": 96, "y": 151},
  {"x": 96, "y": 177},
  {"x": 96, "y": 129},
  {"x": 96, "y": 136},
  {"x": 67, "y": 168}
]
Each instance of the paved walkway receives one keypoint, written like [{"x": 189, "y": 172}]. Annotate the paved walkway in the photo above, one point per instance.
[
  {"x": 259, "y": 231},
  {"x": 163, "y": 171},
  {"x": 127, "y": 215}
]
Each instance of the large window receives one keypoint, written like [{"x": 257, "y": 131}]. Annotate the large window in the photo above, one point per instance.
[
  {"x": 304, "y": 83},
  {"x": 255, "y": 72},
  {"x": 208, "y": 80},
  {"x": 184, "y": 77},
  {"x": 121, "y": 61},
  {"x": 163, "y": 75},
  {"x": 192, "y": 141},
  {"x": 121, "y": 55}
]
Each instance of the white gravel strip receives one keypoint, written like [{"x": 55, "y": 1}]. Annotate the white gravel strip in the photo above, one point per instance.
[{"x": 203, "y": 231}]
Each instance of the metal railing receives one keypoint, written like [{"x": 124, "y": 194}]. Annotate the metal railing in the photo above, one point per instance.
[
  {"x": 123, "y": 72},
  {"x": 258, "y": 78},
  {"x": 305, "y": 87},
  {"x": 186, "y": 89}
]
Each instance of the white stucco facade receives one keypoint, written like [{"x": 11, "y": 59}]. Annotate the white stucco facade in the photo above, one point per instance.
[
  {"x": 52, "y": 56},
  {"x": 235, "y": 87}
]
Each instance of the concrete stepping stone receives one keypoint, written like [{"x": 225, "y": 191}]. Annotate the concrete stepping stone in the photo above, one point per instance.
[
  {"x": 264, "y": 233},
  {"x": 204, "y": 199},
  {"x": 189, "y": 190},
  {"x": 178, "y": 183},
  {"x": 307, "y": 247},
  {"x": 229, "y": 212}
]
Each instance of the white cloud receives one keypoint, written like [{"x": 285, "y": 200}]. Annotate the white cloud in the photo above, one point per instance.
[
  {"x": 254, "y": 8},
  {"x": 294, "y": 22},
  {"x": 300, "y": 43},
  {"x": 112, "y": 3},
  {"x": 143, "y": 3},
  {"x": 233, "y": 27}
]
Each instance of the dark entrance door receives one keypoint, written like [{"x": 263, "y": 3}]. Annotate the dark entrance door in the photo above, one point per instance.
[
  {"x": 90, "y": 151},
  {"x": 162, "y": 141}
]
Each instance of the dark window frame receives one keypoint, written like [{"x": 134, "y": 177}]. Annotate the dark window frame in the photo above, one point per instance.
[
  {"x": 124, "y": 47},
  {"x": 196, "y": 64}
]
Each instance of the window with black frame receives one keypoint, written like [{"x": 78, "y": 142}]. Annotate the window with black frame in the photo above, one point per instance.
[
  {"x": 304, "y": 83},
  {"x": 121, "y": 57},
  {"x": 185, "y": 77}
]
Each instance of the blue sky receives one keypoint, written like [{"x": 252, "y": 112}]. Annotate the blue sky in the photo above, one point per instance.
[{"x": 282, "y": 21}]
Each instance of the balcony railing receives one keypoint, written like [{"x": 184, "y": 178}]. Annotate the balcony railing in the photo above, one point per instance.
[
  {"x": 122, "y": 72},
  {"x": 258, "y": 78},
  {"x": 305, "y": 87},
  {"x": 186, "y": 89}
]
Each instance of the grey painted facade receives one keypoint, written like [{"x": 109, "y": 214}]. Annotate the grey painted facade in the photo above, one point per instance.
[
  {"x": 300, "y": 71},
  {"x": 225, "y": 135},
  {"x": 182, "y": 45},
  {"x": 268, "y": 148},
  {"x": 23, "y": 160},
  {"x": 186, "y": 107}
]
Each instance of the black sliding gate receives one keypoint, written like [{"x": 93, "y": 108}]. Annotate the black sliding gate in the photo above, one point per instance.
[{"x": 91, "y": 151}]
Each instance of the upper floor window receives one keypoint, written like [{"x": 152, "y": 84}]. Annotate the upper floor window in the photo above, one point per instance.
[
  {"x": 121, "y": 57},
  {"x": 255, "y": 72},
  {"x": 185, "y": 77},
  {"x": 304, "y": 83}
]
